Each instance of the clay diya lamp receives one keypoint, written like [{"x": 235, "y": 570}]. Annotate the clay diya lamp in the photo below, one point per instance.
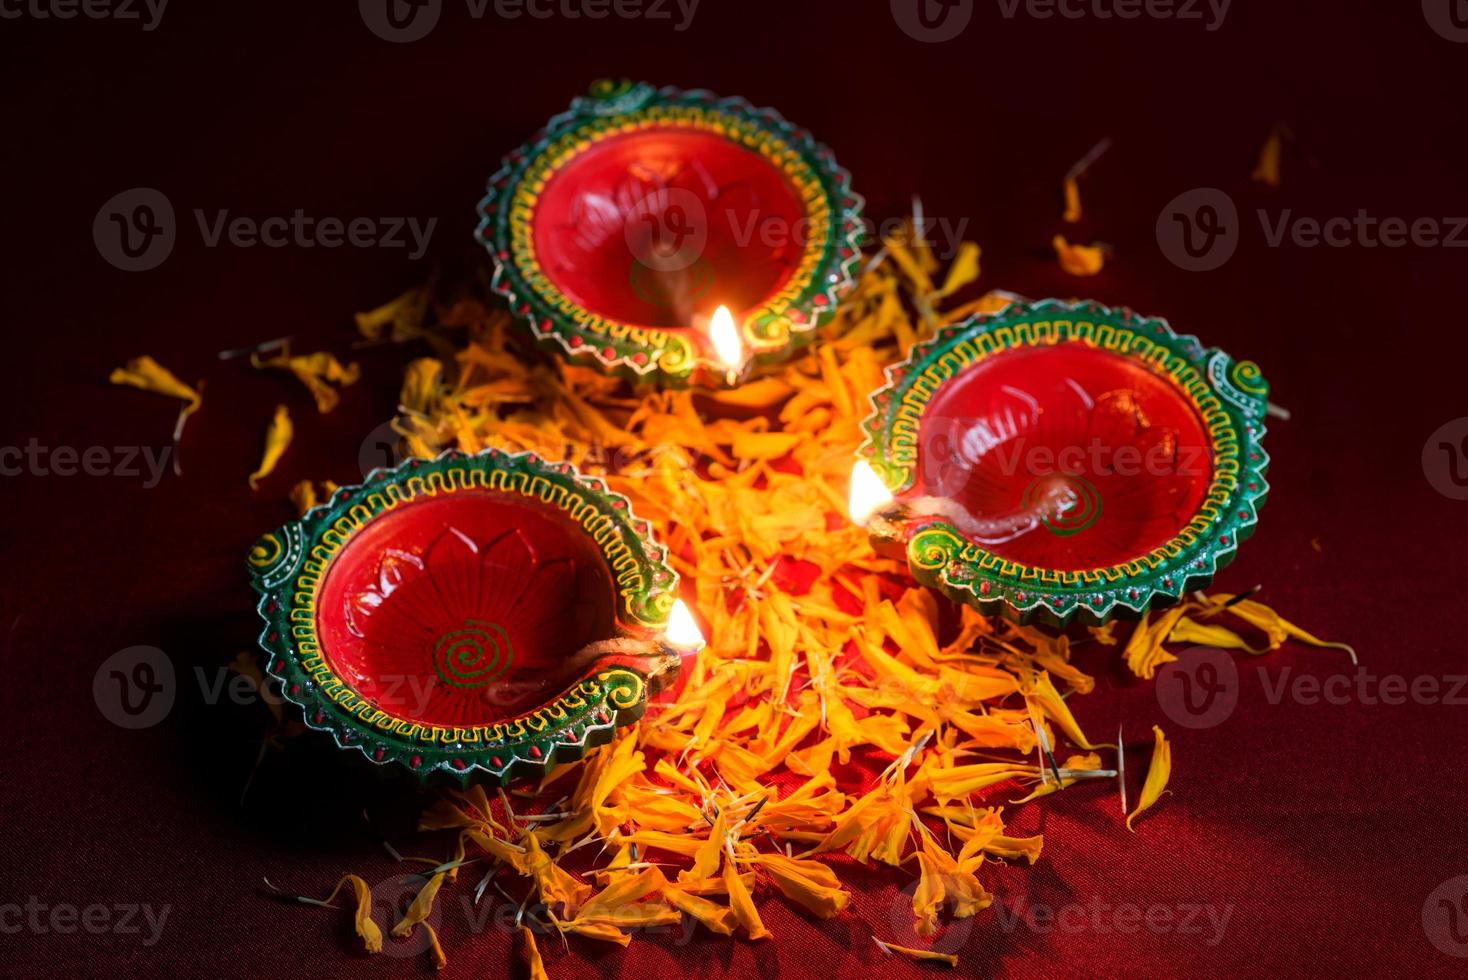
[
  {"x": 477, "y": 617},
  {"x": 1060, "y": 462},
  {"x": 619, "y": 231}
]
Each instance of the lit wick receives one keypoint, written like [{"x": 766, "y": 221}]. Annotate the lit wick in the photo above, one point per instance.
[
  {"x": 724, "y": 335},
  {"x": 869, "y": 495},
  {"x": 871, "y": 502},
  {"x": 682, "y": 632}
]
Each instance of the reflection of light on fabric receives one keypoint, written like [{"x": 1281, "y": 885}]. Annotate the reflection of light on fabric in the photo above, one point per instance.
[
  {"x": 868, "y": 493},
  {"x": 725, "y": 337},
  {"x": 683, "y": 632}
]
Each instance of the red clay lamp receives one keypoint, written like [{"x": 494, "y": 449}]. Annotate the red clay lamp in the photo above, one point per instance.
[{"x": 1063, "y": 462}]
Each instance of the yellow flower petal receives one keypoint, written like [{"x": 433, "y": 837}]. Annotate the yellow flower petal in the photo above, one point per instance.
[
  {"x": 366, "y": 928},
  {"x": 319, "y": 372},
  {"x": 964, "y": 270},
  {"x": 420, "y": 907},
  {"x": 1158, "y": 772},
  {"x": 742, "y": 905},
  {"x": 1072, "y": 190},
  {"x": 1187, "y": 630},
  {"x": 147, "y": 374},
  {"x": 1275, "y": 626},
  {"x": 277, "y": 439},
  {"x": 532, "y": 955},
  {"x": 1079, "y": 260},
  {"x": 714, "y": 917},
  {"x": 810, "y": 884},
  {"x": 1266, "y": 171}
]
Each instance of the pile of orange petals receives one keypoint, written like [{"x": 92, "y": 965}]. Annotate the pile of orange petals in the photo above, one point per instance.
[{"x": 819, "y": 651}]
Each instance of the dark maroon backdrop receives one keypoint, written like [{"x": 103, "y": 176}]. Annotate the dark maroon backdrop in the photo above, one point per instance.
[{"x": 1324, "y": 827}]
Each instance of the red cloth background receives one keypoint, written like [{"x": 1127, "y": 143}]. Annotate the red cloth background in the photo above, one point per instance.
[{"x": 1324, "y": 827}]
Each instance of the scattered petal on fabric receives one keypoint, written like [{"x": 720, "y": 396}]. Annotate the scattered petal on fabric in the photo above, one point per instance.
[
  {"x": 421, "y": 906},
  {"x": 917, "y": 954},
  {"x": 1072, "y": 189},
  {"x": 742, "y": 905},
  {"x": 1144, "y": 652},
  {"x": 964, "y": 270},
  {"x": 1275, "y": 626},
  {"x": 435, "y": 949},
  {"x": 366, "y": 928},
  {"x": 321, "y": 373},
  {"x": 532, "y": 955},
  {"x": 147, "y": 374},
  {"x": 1266, "y": 171},
  {"x": 398, "y": 320},
  {"x": 1187, "y": 630},
  {"x": 1158, "y": 772},
  {"x": 715, "y": 917},
  {"x": 277, "y": 439},
  {"x": 1079, "y": 260}
]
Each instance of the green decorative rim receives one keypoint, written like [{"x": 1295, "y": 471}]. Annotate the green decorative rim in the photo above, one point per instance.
[
  {"x": 771, "y": 332},
  {"x": 1229, "y": 395},
  {"x": 289, "y": 565}
]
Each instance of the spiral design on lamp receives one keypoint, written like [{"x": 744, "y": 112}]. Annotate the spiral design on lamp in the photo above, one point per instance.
[
  {"x": 932, "y": 548},
  {"x": 677, "y": 357},
  {"x": 473, "y": 656},
  {"x": 1247, "y": 377},
  {"x": 625, "y": 688}
]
